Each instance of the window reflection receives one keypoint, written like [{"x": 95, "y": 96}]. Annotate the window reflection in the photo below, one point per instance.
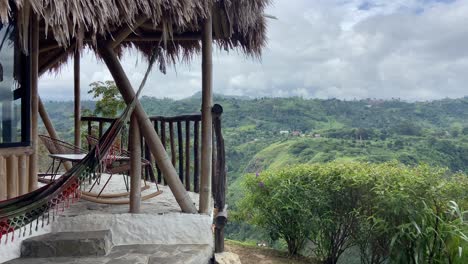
[{"x": 10, "y": 92}]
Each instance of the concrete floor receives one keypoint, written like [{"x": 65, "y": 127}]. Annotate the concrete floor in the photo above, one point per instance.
[
  {"x": 160, "y": 223},
  {"x": 161, "y": 204},
  {"x": 136, "y": 254}
]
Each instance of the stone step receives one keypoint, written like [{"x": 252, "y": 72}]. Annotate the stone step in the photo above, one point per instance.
[
  {"x": 68, "y": 244},
  {"x": 136, "y": 254}
]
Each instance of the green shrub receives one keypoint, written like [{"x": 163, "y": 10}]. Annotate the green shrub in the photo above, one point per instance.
[{"x": 390, "y": 212}]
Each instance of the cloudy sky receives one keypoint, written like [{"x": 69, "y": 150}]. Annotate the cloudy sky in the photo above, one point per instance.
[{"x": 408, "y": 49}]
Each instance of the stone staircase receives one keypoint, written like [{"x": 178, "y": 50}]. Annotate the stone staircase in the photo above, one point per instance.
[{"x": 96, "y": 247}]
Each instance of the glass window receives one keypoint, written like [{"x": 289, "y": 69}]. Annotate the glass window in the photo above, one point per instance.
[{"x": 13, "y": 105}]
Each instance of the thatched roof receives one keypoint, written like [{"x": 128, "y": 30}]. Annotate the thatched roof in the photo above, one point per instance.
[{"x": 174, "y": 25}]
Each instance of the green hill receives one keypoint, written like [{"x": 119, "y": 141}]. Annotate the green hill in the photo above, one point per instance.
[
  {"x": 371, "y": 130},
  {"x": 433, "y": 132}
]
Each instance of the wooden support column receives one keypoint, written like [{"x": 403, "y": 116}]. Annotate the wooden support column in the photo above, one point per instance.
[
  {"x": 146, "y": 128},
  {"x": 135, "y": 165},
  {"x": 207, "y": 124},
  {"x": 34, "y": 101},
  {"x": 76, "y": 69}
]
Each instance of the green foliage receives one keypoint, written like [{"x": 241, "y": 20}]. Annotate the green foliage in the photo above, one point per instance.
[
  {"x": 110, "y": 100},
  {"x": 278, "y": 209},
  {"x": 390, "y": 212}
]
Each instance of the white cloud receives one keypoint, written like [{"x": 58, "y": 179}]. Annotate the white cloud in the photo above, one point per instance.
[{"x": 412, "y": 49}]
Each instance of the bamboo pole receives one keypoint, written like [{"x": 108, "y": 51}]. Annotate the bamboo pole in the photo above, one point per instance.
[
  {"x": 187, "y": 155},
  {"x": 163, "y": 139},
  {"x": 196, "y": 157},
  {"x": 12, "y": 176},
  {"x": 135, "y": 165},
  {"x": 46, "y": 120},
  {"x": 50, "y": 127},
  {"x": 171, "y": 139},
  {"x": 207, "y": 124},
  {"x": 3, "y": 179},
  {"x": 22, "y": 175},
  {"x": 157, "y": 167},
  {"x": 76, "y": 76},
  {"x": 146, "y": 128},
  {"x": 34, "y": 101},
  {"x": 180, "y": 145}
]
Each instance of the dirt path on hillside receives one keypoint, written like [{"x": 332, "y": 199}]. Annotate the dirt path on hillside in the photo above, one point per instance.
[{"x": 258, "y": 255}]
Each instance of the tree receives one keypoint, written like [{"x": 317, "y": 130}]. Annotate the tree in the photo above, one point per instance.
[
  {"x": 110, "y": 100},
  {"x": 391, "y": 212}
]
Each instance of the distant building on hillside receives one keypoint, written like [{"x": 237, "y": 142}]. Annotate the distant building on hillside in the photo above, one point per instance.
[
  {"x": 284, "y": 132},
  {"x": 296, "y": 133}
]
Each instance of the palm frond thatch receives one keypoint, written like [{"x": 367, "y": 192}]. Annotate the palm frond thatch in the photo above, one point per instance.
[{"x": 237, "y": 24}]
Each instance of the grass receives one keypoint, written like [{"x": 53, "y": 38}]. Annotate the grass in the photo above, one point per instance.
[{"x": 250, "y": 253}]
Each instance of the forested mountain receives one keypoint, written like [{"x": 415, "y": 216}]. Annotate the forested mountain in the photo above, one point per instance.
[
  {"x": 267, "y": 133},
  {"x": 302, "y": 130}
]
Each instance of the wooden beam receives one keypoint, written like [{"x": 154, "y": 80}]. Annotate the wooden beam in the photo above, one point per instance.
[
  {"x": 135, "y": 165},
  {"x": 49, "y": 47},
  {"x": 16, "y": 151},
  {"x": 34, "y": 102},
  {"x": 125, "y": 31},
  {"x": 207, "y": 124},
  {"x": 123, "y": 84},
  {"x": 77, "y": 98},
  {"x": 46, "y": 120},
  {"x": 156, "y": 37},
  {"x": 50, "y": 128},
  {"x": 159, "y": 36}
]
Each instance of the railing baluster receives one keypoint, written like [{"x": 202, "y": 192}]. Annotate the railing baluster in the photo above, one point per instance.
[
  {"x": 100, "y": 128},
  {"x": 180, "y": 145},
  {"x": 187, "y": 155},
  {"x": 196, "y": 187},
  {"x": 90, "y": 132},
  {"x": 156, "y": 128},
  {"x": 181, "y": 157},
  {"x": 148, "y": 157},
  {"x": 163, "y": 138},
  {"x": 171, "y": 137}
]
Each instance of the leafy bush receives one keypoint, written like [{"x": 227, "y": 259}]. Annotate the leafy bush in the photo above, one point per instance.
[
  {"x": 271, "y": 202},
  {"x": 390, "y": 212}
]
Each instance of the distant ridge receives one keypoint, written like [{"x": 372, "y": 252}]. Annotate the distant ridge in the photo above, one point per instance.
[{"x": 198, "y": 95}]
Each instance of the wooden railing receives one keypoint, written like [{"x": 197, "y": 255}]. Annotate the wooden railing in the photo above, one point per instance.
[{"x": 180, "y": 136}]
